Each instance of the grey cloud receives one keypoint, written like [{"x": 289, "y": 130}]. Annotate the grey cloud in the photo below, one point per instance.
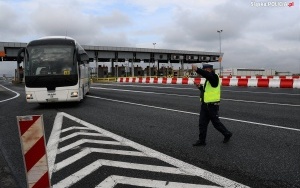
[
  {"x": 12, "y": 26},
  {"x": 115, "y": 19}
]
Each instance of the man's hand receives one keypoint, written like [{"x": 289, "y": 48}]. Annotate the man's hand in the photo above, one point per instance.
[{"x": 194, "y": 67}]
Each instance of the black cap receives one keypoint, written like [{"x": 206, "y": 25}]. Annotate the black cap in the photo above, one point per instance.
[{"x": 207, "y": 65}]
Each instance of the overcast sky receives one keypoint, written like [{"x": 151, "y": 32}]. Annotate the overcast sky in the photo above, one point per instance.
[{"x": 253, "y": 36}]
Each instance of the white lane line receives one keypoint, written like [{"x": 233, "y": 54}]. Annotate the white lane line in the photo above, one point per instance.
[
  {"x": 185, "y": 112},
  {"x": 257, "y": 102},
  {"x": 79, "y": 134},
  {"x": 147, "y": 86},
  {"x": 260, "y": 92},
  {"x": 17, "y": 94},
  {"x": 87, "y": 151},
  {"x": 113, "y": 180},
  {"x": 191, "y": 96},
  {"x": 148, "y": 92},
  {"x": 193, "y": 88},
  {"x": 184, "y": 167},
  {"x": 83, "y": 141}
]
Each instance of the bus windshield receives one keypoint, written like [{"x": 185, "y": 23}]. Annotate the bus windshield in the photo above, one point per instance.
[
  {"x": 50, "y": 60},
  {"x": 50, "y": 66}
]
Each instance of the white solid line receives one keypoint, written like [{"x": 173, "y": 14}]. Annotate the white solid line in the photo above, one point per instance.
[
  {"x": 260, "y": 92},
  {"x": 148, "y": 92},
  {"x": 114, "y": 180},
  {"x": 17, "y": 94},
  {"x": 147, "y": 86},
  {"x": 192, "y": 113},
  {"x": 87, "y": 151},
  {"x": 191, "y": 96},
  {"x": 53, "y": 142},
  {"x": 192, "y": 88},
  {"x": 83, "y": 141},
  {"x": 188, "y": 168},
  {"x": 257, "y": 102},
  {"x": 77, "y": 176},
  {"x": 79, "y": 134}
]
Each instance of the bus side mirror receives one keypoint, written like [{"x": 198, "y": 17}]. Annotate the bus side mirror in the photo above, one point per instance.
[
  {"x": 82, "y": 58},
  {"x": 20, "y": 55}
]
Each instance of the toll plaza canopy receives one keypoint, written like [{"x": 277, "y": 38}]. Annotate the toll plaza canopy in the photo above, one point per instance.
[{"x": 9, "y": 52}]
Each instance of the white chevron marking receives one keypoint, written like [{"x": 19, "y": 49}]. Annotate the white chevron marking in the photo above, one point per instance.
[
  {"x": 87, "y": 151},
  {"x": 83, "y": 141},
  {"x": 113, "y": 180},
  {"x": 79, "y": 134},
  {"x": 77, "y": 176},
  {"x": 181, "y": 167},
  {"x": 74, "y": 127}
]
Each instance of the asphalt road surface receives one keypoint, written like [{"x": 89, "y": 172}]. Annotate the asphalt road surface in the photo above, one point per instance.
[{"x": 138, "y": 135}]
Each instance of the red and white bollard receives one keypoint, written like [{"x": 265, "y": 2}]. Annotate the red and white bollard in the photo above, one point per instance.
[{"x": 32, "y": 137}]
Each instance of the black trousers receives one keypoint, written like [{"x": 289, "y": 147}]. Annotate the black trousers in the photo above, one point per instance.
[{"x": 210, "y": 112}]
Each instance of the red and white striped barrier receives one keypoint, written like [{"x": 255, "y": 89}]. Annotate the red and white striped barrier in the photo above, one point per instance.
[
  {"x": 234, "y": 81},
  {"x": 268, "y": 77},
  {"x": 31, "y": 130}
]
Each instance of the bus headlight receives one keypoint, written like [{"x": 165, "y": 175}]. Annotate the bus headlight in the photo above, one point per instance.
[
  {"x": 29, "y": 96},
  {"x": 74, "y": 94}
]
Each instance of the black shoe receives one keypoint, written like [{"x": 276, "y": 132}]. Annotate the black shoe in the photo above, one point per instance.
[
  {"x": 199, "y": 143},
  {"x": 227, "y": 138}
]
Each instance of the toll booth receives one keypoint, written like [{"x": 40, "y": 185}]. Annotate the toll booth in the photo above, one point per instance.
[
  {"x": 102, "y": 72},
  {"x": 120, "y": 71},
  {"x": 153, "y": 71},
  {"x": 175, "y": 73},
  {"x": 165, "y": 71},
  {"x": 138, "y": 71},
  {"x": 170, "y": 71},
  {"x": 19, "y": 75}
]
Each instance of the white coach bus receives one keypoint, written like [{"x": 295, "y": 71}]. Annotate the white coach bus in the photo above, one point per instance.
[{"x": 56, "y": 70}]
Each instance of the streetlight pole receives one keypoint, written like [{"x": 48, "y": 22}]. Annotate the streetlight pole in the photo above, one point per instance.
[
  {"x": 220, "y": 31},
  {"x": 153, "y": 60}
]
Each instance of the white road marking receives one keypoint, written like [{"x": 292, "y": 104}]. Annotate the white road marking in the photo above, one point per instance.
[
  {"x": 87, "y": 151},
  {"x": 53, "y": 141},
  {"x": 83, "y": 141},
  {"x": 79, "y": 134},
  {"x": 258, "y": 102},
  {"x": 191, "y": 96},
  {"x": 260, "y": 92},
  {"x": 192, "y": 88},
  {"x": 17, "y": 94},
  {"x": 74, "y": 128},
  {"x": 182, "y": 167},
  {"x": 185, "y": 112},
  {"x": 77, "y": 176},
  {"x": 114, "y": 180}
]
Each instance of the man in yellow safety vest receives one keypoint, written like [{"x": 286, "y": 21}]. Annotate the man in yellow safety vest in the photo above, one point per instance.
[{"x": 210, "y": 98}]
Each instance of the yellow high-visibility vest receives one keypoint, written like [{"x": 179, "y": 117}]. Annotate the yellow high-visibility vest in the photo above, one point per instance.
[{"x": 212, "y": 94}]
